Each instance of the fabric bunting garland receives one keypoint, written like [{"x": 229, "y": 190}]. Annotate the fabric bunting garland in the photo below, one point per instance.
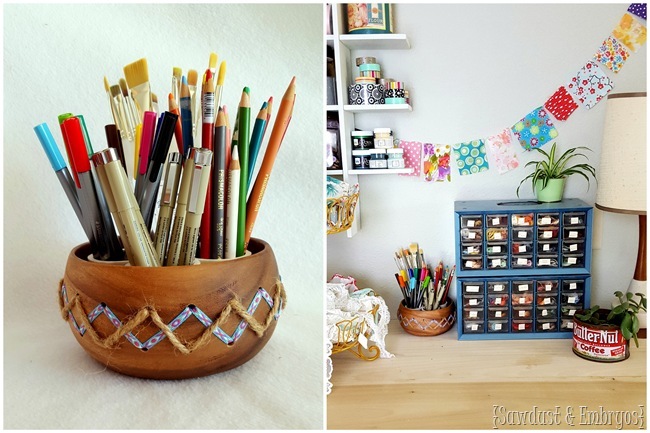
[
  {"x": 586, "y": 88},
  {"x": 436, "y": 162},
  {"x": 471, "y": 157}
]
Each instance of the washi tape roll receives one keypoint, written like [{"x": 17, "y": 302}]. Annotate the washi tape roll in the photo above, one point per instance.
[
  {"x": 394, "y": 101},
  {"x": 369, "y": 67},
  {"x": 365, "y": 80},
  {"x": 366, "y": 94},
  {"x": 362, "y": 60}
]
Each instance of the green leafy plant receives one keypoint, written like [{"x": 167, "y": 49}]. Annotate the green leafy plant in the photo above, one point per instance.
[
  {"x": 623, "y": 315},
  {"x": 551, "y": 168}
]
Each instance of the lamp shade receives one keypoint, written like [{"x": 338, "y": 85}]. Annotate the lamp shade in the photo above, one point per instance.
[{"x": 622, "y": 173}]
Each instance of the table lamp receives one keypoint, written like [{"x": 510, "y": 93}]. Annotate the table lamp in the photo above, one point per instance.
[{"x": 622, "y": 173}]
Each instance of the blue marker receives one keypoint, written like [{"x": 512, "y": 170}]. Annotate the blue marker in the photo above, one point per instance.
[{"x": 58, "y": 165}]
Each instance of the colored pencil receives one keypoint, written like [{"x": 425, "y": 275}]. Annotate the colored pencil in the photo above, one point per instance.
[
  {"x": 243, "y": 144},
  {"x": 207, "y": 132},
  {"x": 231, "y": 205},
  {"x": 219, "y": 189},
  {"x": 256, "y": 142},
  {"x": 277, "y": 135},
  {"x": 178, "y": 132}
]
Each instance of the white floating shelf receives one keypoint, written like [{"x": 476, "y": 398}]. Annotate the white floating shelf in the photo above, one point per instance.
[
  {"x": 376, "y": 41},
  {"x": 335, "y": 172},
  {"x": 376, "y": 108},
  {"x": 332, "y": 107},
  {"x": 382, "y": 171}
]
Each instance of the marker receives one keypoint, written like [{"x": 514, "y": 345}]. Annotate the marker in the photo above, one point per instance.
[
  {"x": 125, "y": 210},
  {"x": 175, "y": 241},
  {"x": 61, "y": 170},
  {"x": 195, "y": 204},
  {"x": 154, "y": 173},
  {"x": 71, "y": 128},
  {"x": 167, "y": 202}
]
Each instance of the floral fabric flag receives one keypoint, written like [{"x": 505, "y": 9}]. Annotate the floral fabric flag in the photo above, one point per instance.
[
  {"x": 561, "y": 104},
  {"x": 412, "y": 156},
  {"x": 590, "y": 85},
  {"x": 612, "y": 54},
  {"x": 502, "y": 153},
  {"x": 630, "y": 32},
  {"x": 639, "y": 9},
  {"x": 471, "y": 157},
  {"x": 436, "y": 162},
  {"x": 535, "y": 130}
]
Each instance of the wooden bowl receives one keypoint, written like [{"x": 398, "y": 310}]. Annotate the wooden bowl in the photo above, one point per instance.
[
  {"x": 427, "y": 323},
  {"x": 119, "y": 313}
]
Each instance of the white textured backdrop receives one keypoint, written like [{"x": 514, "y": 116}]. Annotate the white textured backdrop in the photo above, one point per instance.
[
  {"x": 55, "y": 58},
  {"x": 473, "y": 70}
]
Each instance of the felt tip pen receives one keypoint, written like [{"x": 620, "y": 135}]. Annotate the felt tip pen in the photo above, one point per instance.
[
  {"x": 146, "y": 144},
  {"x": 71, "y": 128},
  {"x": 154, "y": 173},
  {"x": 61, "y": 170},
  {"x": 167, "y": 202},
  {"x": 175, "y": 240},
  {"x": 125, "y": 210},
  {"x": 195, "y": 204}
]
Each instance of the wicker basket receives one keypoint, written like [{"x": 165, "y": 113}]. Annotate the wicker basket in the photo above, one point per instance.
[{"x": 340, "y": 213}]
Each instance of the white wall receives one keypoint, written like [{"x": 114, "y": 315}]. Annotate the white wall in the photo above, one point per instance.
[
  {"x": 472, "y": 71},
  {"x": 55, "y": 58}
]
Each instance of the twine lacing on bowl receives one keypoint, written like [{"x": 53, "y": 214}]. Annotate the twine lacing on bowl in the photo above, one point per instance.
[{"x": 112, "y": 341}]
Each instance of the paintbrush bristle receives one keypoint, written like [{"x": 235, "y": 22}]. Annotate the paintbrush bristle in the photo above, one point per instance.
[
  {"x": 115, "y": 90},
  {"x": 192, "y": 77},
  {"x": 177, "y": 72},
  {"x": 125, "y": 89},
  {"x": 222, "y": 73},
  {"x": 107, "y": 86},
  {"x": 154, "y": 98},
  {"x": 136, "y": 73},
  {"x": 213, "y": 61}
]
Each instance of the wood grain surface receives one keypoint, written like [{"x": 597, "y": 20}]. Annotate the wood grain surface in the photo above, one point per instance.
[{"x": 442, "y": 383}]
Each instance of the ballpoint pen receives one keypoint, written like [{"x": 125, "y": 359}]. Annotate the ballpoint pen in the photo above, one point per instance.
[
  {"x": 167, "y": 202},
  {"x": 154, "y": 172},
  {"x": 195, "y": 204}
]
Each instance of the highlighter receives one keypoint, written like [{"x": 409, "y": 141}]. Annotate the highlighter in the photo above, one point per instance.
[{"x": 195, "y": 204}]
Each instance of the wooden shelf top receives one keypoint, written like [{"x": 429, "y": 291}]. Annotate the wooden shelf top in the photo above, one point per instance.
[{"x": 386, "y": 41}]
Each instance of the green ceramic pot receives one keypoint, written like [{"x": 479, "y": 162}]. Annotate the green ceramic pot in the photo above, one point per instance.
[{"x": 553, "y": 191}]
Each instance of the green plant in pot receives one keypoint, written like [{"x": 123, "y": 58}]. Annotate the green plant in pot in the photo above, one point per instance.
[
  {"x": 550, "y": 173},
  {"x": 594, "y": 328}
]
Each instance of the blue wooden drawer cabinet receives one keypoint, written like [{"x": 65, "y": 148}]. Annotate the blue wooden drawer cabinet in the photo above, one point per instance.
[{"x": 522, "y": 267}]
